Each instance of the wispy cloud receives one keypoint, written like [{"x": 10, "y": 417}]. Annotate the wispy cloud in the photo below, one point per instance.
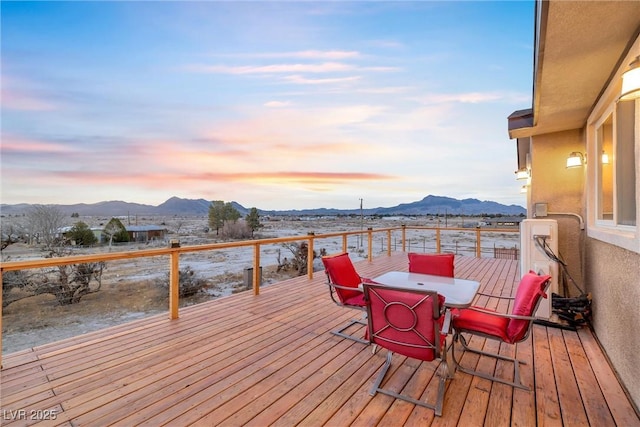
[
  {"x": 325, "y": 67},
  {"x": 277, "y": 104},
  {"x": 332, "y": 55},
  {"x": 17, "y": 145},
  {"x": 17, "y": 99},
  {"x": 298, "y": 79},
  {"x": 470, "y": 97}
]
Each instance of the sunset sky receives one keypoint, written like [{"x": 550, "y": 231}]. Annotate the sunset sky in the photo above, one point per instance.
[{"x": 277, "y": 105}]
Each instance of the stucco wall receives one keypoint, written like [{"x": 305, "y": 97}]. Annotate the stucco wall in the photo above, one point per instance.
[
  {"x": 563, "y": 190},
  {"x": 614, "y": 281}
]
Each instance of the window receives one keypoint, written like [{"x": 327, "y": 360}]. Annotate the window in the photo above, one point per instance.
[
  {"x": 625, "y": 163},
  {"x": 604, "y": 140},
  {"x": 612, "y": 167}
]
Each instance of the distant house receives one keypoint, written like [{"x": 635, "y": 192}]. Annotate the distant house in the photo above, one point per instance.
[
  {"x": 579, "y": 147},
  {"x": 137, "y": 233},
  {"x": 509, "y": 221},
  {"x": 145, "y": 233},
  {"x": 97, "y": 231}
]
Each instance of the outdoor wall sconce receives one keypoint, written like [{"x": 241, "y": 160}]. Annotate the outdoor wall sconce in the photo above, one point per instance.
[
  {"x": 575, "y": 159},
  {"x": 631, "y": 81},
  {"x": 522, "y": 174}
]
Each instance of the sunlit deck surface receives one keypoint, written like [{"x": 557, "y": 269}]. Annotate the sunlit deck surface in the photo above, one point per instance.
[{"x": 270, "y": 360}]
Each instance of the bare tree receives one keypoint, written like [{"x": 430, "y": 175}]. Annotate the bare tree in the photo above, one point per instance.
[
  {"x": 44, "y": 224},
  {"x": 11, "y": 233},
  {"x": 115, "y": 231}
]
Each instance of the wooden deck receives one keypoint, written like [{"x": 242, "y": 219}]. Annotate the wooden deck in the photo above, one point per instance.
[{"x": 270, "y": 360}]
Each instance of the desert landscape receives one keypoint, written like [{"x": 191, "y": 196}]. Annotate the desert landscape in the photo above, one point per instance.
[{"x": 132, "y": 289}]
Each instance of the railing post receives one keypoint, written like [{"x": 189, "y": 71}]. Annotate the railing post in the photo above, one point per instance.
[
  {"x": 478, "y": 252},
  {"x": 370, "y": 243},
  {"x": 438, "y": 247},
  {"x": 310, "y": 255},
  {"x": 256, "y": 269},
  {"x": 389, "y": 242},
  {"x": 174, "y": 284},
  {"x": 344, "y": 242},
  {"x": 404, "y": 237}
]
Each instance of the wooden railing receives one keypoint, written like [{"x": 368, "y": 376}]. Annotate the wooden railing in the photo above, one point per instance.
[{"x": 174, "y": 252}]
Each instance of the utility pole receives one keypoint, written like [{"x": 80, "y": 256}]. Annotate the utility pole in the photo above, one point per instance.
[{"x": 361, "y": 222}]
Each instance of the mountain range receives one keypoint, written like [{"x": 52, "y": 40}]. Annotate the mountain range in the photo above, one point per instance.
[{"x": 430, "y": 205}]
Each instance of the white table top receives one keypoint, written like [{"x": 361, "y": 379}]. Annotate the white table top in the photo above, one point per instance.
[{"x": 458, "y": 293}]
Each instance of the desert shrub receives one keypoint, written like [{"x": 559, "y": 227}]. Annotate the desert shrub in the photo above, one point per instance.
[
  {"x": 81, "y": 234},
  {"x": 189, "y": 282},
  {"x": 236, "y": 230},
  {"x": 300, "y": 255},
  {"x": 67, "y": 283}
]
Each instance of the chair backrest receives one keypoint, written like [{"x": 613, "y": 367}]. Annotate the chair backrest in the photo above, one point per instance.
[
  {"x": 528, "y": 296},
  {"x": 340, "y": 271},
  {"x": 436, "y": 264},
  {"x": 404, "y": 321}
]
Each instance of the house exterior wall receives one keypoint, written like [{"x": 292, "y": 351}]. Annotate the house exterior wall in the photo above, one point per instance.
[
  {"x": 613, "y": 278},
  {"x": 613, "y": 262},
  {"x": 563, "y": 191}
]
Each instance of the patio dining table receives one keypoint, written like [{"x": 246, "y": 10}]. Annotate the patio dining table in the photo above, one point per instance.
[{"x": 458, "y": 293}]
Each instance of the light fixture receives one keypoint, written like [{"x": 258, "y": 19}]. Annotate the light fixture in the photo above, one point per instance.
[
  {"x": 522, "y": 174},
  {"x": 575, "y": 159},
  {"x": 631, "y": 81},
  {"x": 605, "y": 158}
]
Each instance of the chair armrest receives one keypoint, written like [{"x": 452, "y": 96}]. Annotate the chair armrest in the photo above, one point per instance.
[
  {"x": 346, "y": 288},
  {"x": 494, "y": 313},
  {"x": 493, "y": 296}
]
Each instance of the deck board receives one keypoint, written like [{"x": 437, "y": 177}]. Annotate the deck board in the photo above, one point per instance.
[{"x": 270, "y": 360}]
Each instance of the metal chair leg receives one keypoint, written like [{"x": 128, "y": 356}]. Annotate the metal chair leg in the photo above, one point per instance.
[
  {"x": 340, "y": 332},
  {"x": 516, "y": 364},
  {"x": 437, "y": 408}
]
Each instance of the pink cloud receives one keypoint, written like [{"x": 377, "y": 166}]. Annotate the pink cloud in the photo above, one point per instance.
[
  {"x": 25, "y": 101},
  {"x": 16, "y": 144},
  {"x": 163, "y": 179},
  {"x": 18, "y": 94}
]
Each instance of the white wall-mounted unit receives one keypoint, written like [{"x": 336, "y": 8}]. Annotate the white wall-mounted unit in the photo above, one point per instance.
[{"x": 533, "y": 257}]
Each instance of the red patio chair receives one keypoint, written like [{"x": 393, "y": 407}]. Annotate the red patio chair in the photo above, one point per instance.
[
  {"x": 436, "y": 264},
  {"x": 411, "y": 323},
  {"x": 344, "y": 287},
  {"x": 507, "y": 328}
]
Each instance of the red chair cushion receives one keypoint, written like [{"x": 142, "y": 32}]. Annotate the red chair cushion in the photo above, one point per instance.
[
  {"x": 342, "y": 273},
  {"x": 357, "y": 300},
  {"x": 400, "y": 329},
  {"x": 530, "y": 289},
  {"x": 483, "y": 323},
  {"x": 436, "y": 264}
]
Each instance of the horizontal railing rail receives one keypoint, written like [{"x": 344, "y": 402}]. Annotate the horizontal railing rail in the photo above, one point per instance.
[{"x": 175, "y": 250}]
